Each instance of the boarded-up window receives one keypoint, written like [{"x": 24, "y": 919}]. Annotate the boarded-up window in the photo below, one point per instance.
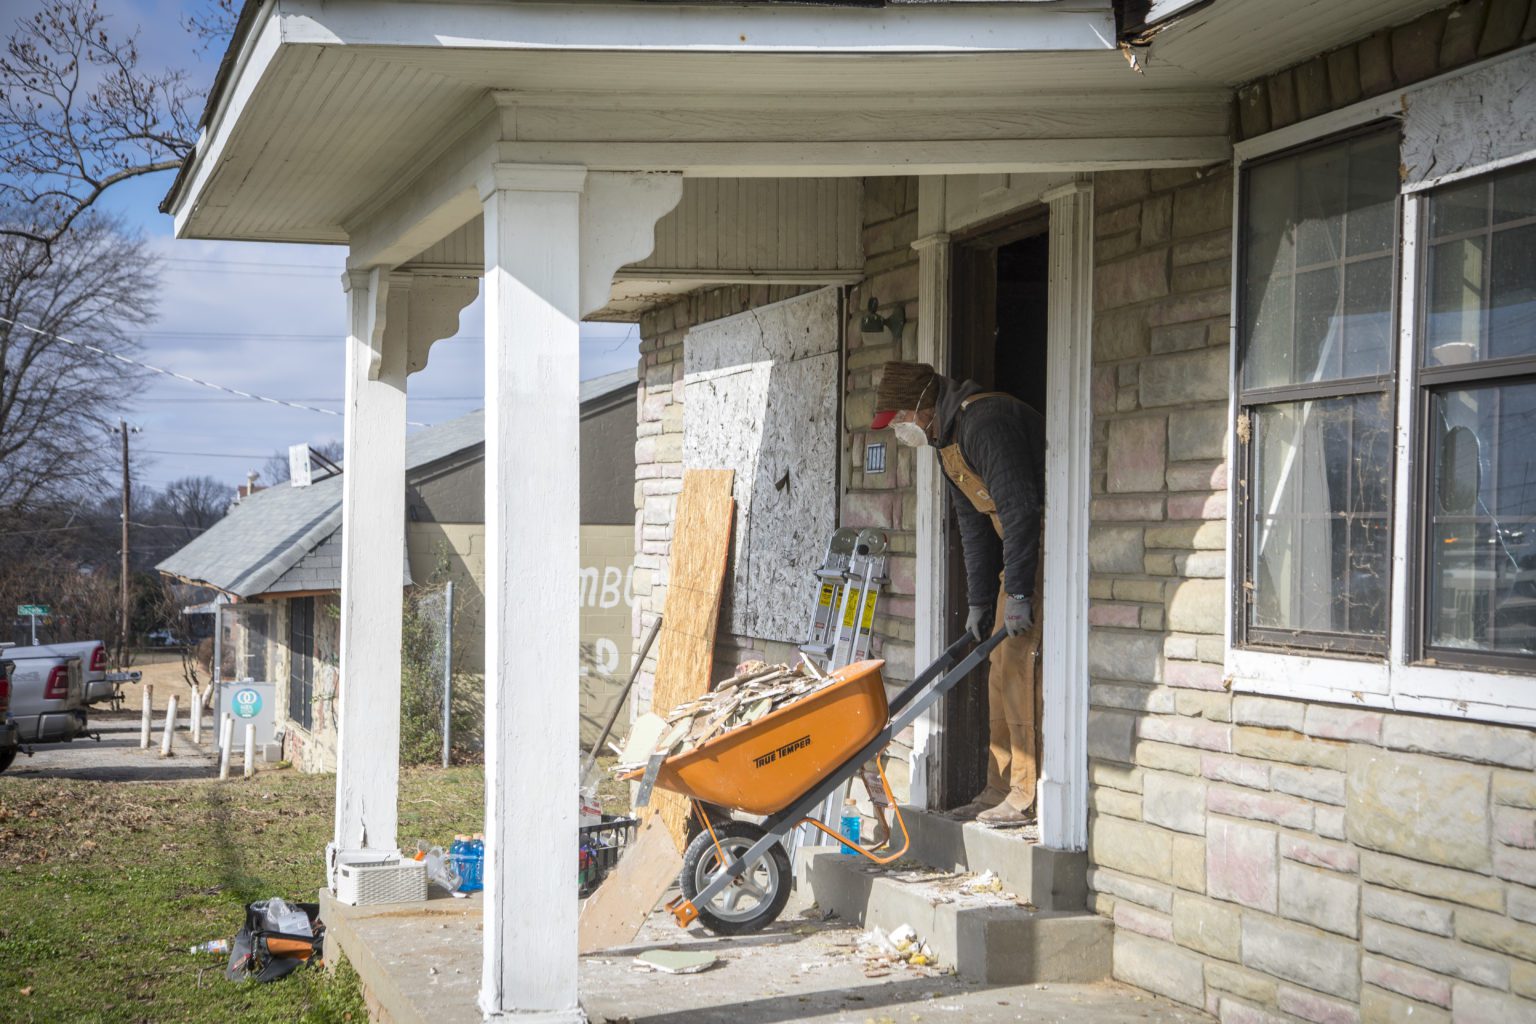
[{"x": 761, "y": 398}]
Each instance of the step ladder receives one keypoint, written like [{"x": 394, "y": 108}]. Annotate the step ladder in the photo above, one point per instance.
[{"x": 847, "y": 591}]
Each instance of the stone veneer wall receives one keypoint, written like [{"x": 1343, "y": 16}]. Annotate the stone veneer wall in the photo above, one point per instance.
[
  {"x": 312, "y": 751},
  {"x": 1268, "y": 860}
]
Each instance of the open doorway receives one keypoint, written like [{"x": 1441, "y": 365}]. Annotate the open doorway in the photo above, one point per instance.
[{"x": 998, "y": 340}]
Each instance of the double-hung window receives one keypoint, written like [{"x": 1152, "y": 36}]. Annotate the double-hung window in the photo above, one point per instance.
[
  {"x": 301, "y": 661},
  {"x": 1384, "y": 429},
  {"x": 1477, "y": 411},
  {"x": 1317, "y": 272}
]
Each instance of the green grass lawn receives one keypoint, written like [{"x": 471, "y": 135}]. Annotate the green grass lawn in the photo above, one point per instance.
[{"x": 104, "y": 886}]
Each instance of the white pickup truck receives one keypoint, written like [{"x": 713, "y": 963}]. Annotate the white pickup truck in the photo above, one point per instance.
[{"x": 47, "y": 694}]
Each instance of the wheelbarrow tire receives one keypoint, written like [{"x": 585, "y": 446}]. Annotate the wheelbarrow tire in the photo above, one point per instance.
[{"x": 770, "y": 876}]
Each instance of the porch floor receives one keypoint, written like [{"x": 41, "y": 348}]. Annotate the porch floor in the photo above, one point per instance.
[{"x": 420, "y": 963}]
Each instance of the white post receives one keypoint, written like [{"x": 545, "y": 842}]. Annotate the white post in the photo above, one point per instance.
[
  {"x": 250, "y": 749},
  {"x": 933, "y": 323},
  {"x": 532, "y": 516},
  {"x": 226, "y": 738},
  {"x": 195, "y": 716},
  {"x": 146, "y": 716},
  {"x": 170, "y": 726},
  {"x": 1062, "y": 793},
  {"x": 372, "y": 570}
]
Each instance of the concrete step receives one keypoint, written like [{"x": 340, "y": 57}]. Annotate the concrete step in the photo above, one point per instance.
[
  {"x": 983, "y": 936},
  {"x": 1050, "y": 879}
]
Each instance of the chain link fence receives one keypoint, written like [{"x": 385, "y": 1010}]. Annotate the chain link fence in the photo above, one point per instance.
[{"x": 442, "y": 709}]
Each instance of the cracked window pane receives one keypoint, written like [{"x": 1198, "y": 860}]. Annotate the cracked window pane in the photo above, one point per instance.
[
  {"x": 1319, "y": 517},
  {"x": 1318, "y": 236},
  {"x": 1483, "y": 518}
]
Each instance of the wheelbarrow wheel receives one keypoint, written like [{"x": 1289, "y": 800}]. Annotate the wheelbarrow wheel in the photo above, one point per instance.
[{"x": 751, "y": 902}]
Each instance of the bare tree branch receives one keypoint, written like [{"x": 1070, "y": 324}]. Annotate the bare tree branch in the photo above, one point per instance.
[{"x": 78, "y": 114}]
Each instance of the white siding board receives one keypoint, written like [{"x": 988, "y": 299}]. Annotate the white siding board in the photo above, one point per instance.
[{"x": 1468, "y": 122}]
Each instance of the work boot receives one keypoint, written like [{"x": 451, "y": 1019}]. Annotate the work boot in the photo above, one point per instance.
[
  {"x": 970, "y": 811},
  {"x": 1007, "y": 813}
]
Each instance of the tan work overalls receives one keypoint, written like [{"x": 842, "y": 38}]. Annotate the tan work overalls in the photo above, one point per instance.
[{"x": 1013, "y": 682}]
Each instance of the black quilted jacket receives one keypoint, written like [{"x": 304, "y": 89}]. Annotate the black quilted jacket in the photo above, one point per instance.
[{"x": 1004, "y": 441}]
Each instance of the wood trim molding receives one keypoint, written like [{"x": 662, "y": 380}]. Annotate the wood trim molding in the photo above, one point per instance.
[{"x": 1062, "y": 795}]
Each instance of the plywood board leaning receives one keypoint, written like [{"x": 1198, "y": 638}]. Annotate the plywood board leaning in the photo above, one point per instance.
[
  {"x": 701, "y": 544},
  {"x": 614, "y": 913},
  {"x": 686, "y": 647}
]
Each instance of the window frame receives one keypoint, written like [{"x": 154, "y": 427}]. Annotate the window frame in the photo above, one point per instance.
[
  {"x": 1400, "y": 679},
  {"x": 1248, "y": 399},
  {"x": 301, "y": 705},
  {"x": 1427, "y": 381}
]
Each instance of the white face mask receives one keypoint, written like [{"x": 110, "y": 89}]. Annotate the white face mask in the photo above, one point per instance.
[{"x": 910, "y": 434}]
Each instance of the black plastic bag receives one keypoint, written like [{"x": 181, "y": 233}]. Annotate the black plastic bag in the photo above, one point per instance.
[{"x": 259, "y": 954}]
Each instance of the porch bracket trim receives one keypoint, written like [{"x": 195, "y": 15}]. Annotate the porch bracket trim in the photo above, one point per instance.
[
  {"x": 428, "y": 306},
  {"x": 1062, "y": 793}
]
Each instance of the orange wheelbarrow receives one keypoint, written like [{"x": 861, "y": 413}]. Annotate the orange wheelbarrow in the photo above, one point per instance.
[{"x": 736, "y": 875}]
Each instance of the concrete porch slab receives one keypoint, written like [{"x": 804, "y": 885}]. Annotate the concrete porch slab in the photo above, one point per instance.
[{"x": 420, "y": 964}]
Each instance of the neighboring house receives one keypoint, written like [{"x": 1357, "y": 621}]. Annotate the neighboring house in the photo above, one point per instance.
[
  {"x": 278, "y": 553},
  {"x": 1285, "y": 248}
]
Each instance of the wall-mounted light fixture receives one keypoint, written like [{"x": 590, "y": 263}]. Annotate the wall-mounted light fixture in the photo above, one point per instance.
[{"x": 873, "y": 323}]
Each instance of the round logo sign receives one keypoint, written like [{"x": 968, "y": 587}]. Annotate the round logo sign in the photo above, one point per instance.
[{"x": 247, "y": 703}]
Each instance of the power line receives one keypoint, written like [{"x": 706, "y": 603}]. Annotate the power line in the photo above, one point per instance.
[
  {"x": 209, "y": 455},
  {"x": 178, "y": 376}
]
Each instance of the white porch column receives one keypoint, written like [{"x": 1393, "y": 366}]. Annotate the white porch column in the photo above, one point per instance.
[
  {"x": 933, "y": 324},
  {"x": 372, "y": 571},
  {"x": 1063, "y": 788},
  {"x": 532, "y": 516}
]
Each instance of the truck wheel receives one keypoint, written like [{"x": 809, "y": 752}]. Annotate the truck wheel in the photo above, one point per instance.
[
  {"x": 750, "y": 903},
  {"x": 6, "y": 757}
]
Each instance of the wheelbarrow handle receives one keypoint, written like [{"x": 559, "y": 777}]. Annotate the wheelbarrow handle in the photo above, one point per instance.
[{"x": 942, "y": 663}]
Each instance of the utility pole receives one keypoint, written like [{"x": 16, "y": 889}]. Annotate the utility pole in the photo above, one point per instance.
[{"x": 122, "y": 643}]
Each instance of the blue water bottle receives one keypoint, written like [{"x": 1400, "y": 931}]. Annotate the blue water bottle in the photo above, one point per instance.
[
  {"x": 848, "y": 825},
  {"x": 476, "y": 860},
  {"x": 457, "y": 859}
]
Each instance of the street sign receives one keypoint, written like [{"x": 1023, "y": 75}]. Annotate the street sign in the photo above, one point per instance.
[{"x": 32, "y": 609}]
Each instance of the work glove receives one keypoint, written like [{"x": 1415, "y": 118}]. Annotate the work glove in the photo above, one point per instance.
[
  {"x": 979, "y": 622},
  {"x": 1018, "y": 616}
]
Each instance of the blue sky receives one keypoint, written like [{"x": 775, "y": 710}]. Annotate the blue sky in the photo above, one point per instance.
[{"x": 268, "y": 319}]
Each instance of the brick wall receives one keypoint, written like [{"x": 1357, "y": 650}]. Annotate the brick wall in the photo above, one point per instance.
[{"x": 1268, "y": 860}]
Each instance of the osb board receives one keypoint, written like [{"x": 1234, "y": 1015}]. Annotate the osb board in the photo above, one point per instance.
[
  {"x": 701, "y": 543},
  {"x": 761, "y": 396},
  {"x": 614, "y": 913}
]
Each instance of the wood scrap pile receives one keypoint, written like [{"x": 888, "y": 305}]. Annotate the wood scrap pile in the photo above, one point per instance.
[{"x": 756, "y": 689}]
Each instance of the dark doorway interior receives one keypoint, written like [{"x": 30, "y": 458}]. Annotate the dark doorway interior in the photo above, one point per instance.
[{"x": 999, "y": 341}]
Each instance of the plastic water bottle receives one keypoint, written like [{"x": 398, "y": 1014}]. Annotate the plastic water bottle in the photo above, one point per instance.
[
  {"x": 848, "y": 825},
  {"x": 469, "y": 859},
  {"x": 212, "y": 946}
]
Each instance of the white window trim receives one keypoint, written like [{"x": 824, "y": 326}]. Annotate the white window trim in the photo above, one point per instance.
[{"x": 1392, "y": 683}]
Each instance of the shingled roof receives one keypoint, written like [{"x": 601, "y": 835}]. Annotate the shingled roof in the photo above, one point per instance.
[{"x": 269, "y": 533}]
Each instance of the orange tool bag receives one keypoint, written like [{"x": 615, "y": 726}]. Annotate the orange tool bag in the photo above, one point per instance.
[{"x": 261, "y": 954}]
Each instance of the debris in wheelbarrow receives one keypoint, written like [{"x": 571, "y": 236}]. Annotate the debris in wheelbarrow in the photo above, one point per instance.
[{"x": 757, "y": 689}]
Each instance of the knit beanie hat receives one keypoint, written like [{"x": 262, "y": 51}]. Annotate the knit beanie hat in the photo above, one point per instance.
[{"x": 903, "y": 387}]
